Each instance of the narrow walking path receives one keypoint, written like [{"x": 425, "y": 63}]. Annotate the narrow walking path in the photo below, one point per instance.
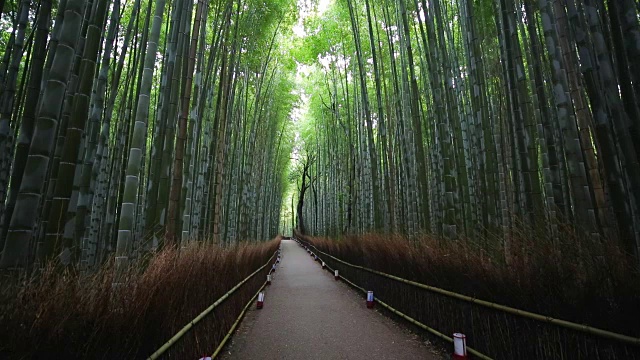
[{"x": 309, "y": 315}]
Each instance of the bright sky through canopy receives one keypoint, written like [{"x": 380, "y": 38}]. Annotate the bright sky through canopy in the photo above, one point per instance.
[{"x": 306, "y": 10}]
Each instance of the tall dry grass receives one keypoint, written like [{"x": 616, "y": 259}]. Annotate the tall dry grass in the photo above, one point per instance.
[
  {"x": 569, "y": 278},
  {"x": 67, "y": 315}
]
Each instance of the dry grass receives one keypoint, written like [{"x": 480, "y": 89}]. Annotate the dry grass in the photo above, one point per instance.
[
  {"x": 570, "y": 278},
  {"x": 69, "y": 315}
]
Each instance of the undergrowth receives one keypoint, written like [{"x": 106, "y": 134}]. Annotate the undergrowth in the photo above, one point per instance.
[
  {"x": 570, "y": 277},
  {"x": 65, "y": 314}
]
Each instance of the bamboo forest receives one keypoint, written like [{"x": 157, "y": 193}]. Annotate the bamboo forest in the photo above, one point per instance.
[{"x": 153, "y": 151}]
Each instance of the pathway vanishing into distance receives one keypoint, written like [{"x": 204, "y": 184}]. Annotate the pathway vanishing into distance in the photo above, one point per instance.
[{"x": 309, "y": 315}]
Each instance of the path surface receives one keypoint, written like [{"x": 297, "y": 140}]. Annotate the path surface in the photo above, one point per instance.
[{"x": 309, "y": 315}]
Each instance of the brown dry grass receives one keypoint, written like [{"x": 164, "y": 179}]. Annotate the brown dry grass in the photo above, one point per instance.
[
  {"x": 69, "y": 315},
  {"x": 570, "y": 278}
]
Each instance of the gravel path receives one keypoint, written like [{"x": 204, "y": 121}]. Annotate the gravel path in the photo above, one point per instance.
[{"x": 309, "y": 315}]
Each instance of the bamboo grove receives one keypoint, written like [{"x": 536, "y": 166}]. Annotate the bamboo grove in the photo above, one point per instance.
[
  {"x": 128, "y": 126},
  {"x": 474, "y": 119}
]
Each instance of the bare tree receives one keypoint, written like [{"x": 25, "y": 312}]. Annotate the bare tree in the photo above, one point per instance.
[{"x": 307, "y": 181}]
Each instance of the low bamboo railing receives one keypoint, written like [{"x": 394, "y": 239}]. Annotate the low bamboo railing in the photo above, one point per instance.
[
  {"x": 594, "y": 343},
  {"x": 174, "y": 339}
]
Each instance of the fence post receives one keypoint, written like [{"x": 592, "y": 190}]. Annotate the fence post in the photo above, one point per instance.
[
  {"x": 459, "y": 346},
  {"x": 370, "y": 299},
  {"x": 260, "y": 300}
]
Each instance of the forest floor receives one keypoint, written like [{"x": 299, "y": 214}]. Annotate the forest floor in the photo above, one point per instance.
[{"x": 309, "y": 315}]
